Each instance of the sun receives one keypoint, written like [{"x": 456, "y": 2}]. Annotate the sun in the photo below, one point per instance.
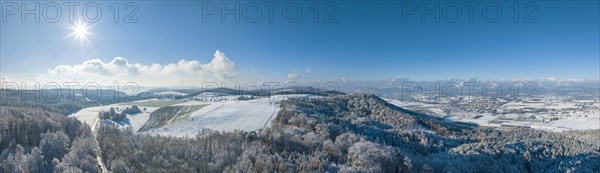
[{"x": 80, "y": 32}]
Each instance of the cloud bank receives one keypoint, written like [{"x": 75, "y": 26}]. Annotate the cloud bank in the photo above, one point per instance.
[
  {"x": 292, "y": 77},
  {"x": 184, "y": 72}
]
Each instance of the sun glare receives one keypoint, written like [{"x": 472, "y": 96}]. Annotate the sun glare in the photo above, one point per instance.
[{"x": 80, "y": 32}]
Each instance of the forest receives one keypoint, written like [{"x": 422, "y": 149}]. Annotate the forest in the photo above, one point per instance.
[
  {"x": 64, "y": 101},
  {"x": 354, "y": 133},
  {"x": 37, "y": 140},
  {"x": 36, "y": 135},
  {"x": 113, "y": 115},
  {"x": 336, "y": 133}
]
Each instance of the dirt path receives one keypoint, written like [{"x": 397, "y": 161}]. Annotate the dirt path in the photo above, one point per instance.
[{"x": 99, "y": 161}]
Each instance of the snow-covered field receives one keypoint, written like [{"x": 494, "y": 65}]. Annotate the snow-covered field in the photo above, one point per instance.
[
  {"x": 175, "y": 93},
  {"x": 220, "y": 116},
  {"x": 223, "y": 115},
  {"x": 578, "y": 123},
  {"x": 90, "y": 115},
  {"x": 570, "y": 116},
  {"x": 431, "y": 109},
  {"x": 521, "y": 105},
  {"x": 229, "y": 115},
  {"x": 570, "y": 123},
  {"x": 136, "y": 121},
  {"x": 484, "y": 120}
]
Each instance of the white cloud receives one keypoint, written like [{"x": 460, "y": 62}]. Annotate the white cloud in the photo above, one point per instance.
[
  {"x": 4, "y": 79},
  {"x": 184, "y": 72},
  {"x": 293, "y": 76},
  {"x": 551, "y": 78},
  {"x": 400, "y": 79},
  {"x": 574, "y": 80},
  {"x": 344, "y": 79},
  {"x": 307, "y": 70}
]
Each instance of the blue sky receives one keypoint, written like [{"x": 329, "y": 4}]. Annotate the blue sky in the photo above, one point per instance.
[{"x": 370, "y": 41}]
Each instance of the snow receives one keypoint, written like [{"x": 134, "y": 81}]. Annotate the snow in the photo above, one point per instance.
[
  {"x": 228, "y": 115},
  {"x": 190, "y": 103},
  {"x": 138, "y": 120},
  {"x": 431, "y": 109},
  {"x": 147, "y": 100},
  {"x": 571, "y": 122},
  {"x": 90, "y": 116},
  {"x": 570, "y": 116},
  {"x": 578, "y": 123},
  {"x": 171, "y": 93},
  {"x": 482, "y": 121},
  {"x": 521, "y": 105},
  {"x": 217, "y": 97}
]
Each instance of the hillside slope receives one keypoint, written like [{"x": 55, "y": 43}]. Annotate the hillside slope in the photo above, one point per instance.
[
  {"x": 358, "y": 133},
  {"x": 168, "y": 114},
  {"x": 417, "y": 142}
]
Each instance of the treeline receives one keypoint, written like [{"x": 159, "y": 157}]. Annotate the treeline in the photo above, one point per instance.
[
  {"x": 37, "y": 140},
  {"x": 291, "y": 88},
  {"x": 113, "y": 115},
  {"x": 63, "y": 101},
  {"x": 209, "y": 151},
  {"x": 356, "y": 133}
]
